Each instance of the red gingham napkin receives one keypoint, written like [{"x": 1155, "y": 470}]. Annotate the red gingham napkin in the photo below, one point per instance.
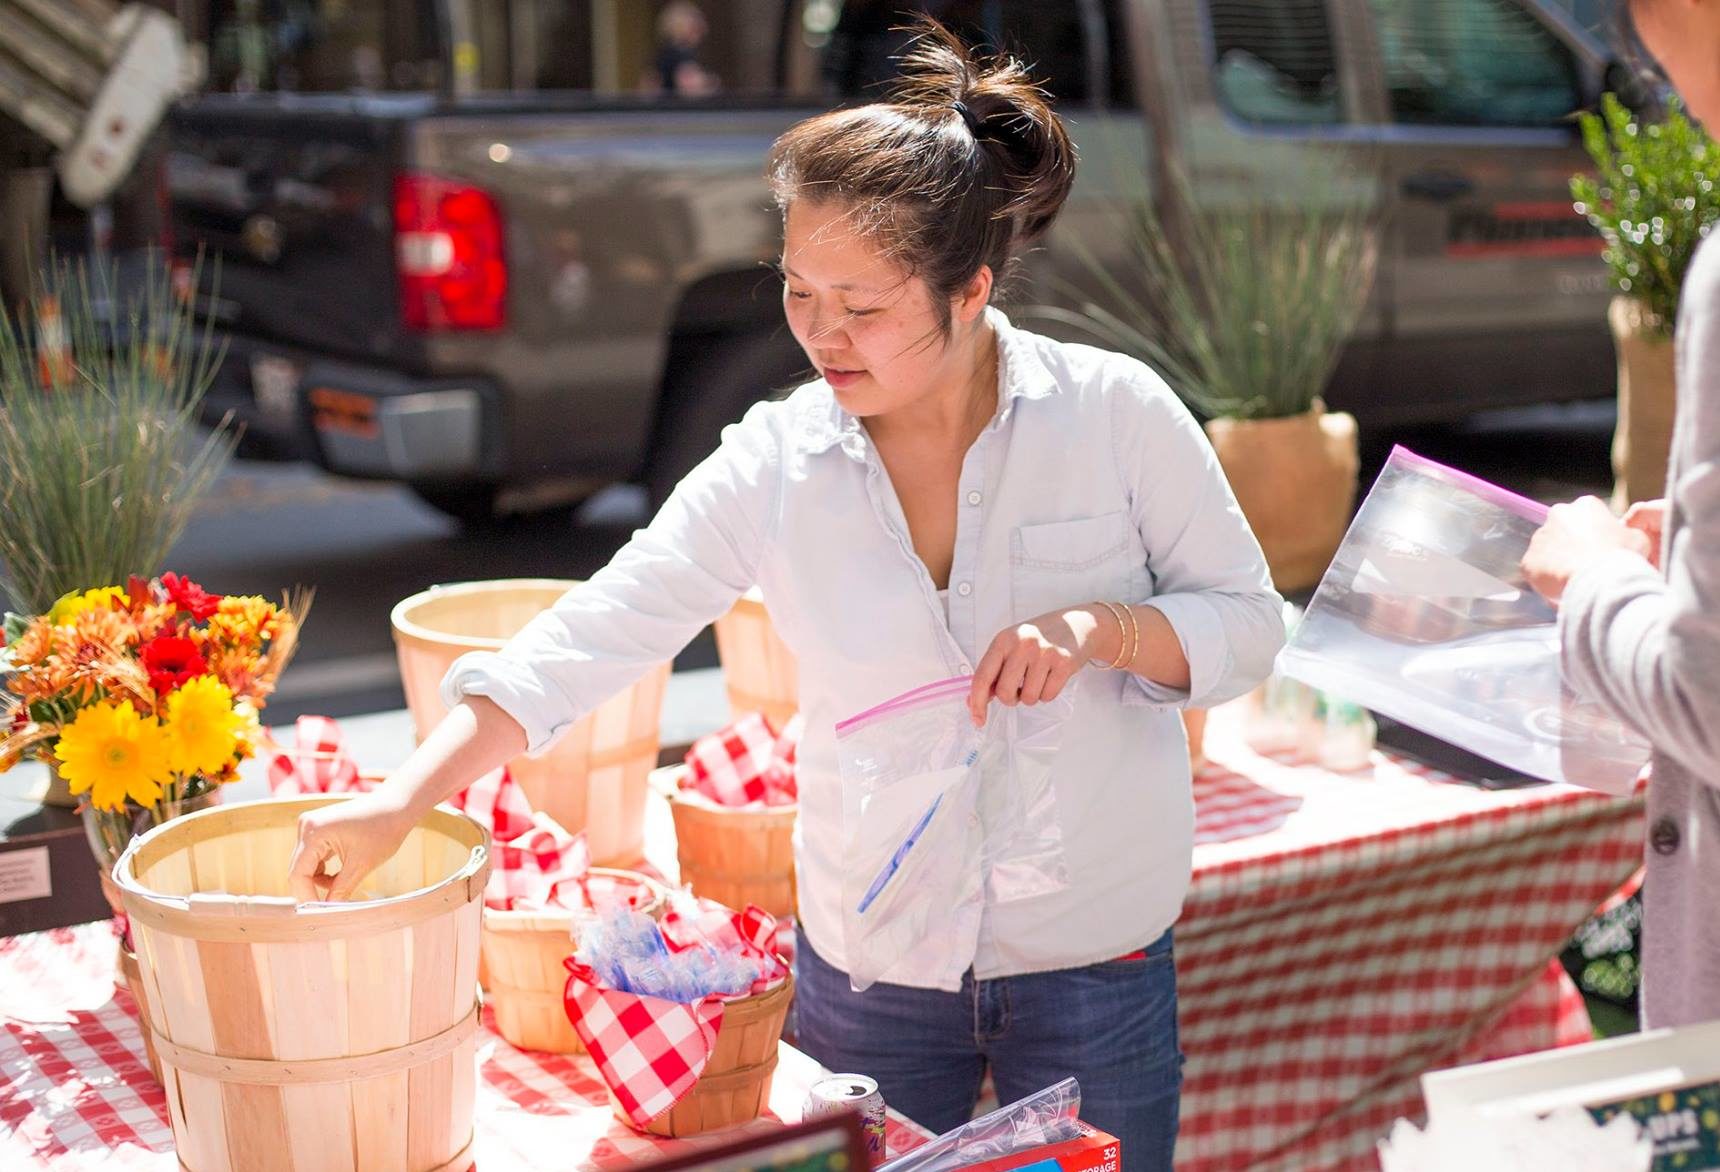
[
  {"x": 317, "y": 762},
  {"x": 649, "y": 1051},
  {"x": 690, "y": 921},
  {"x": 535, "y": 862},
  {"x": 544, "y": 867},
  {"x": 497, "y": 802},
  {"x": 746, "y": 762}
]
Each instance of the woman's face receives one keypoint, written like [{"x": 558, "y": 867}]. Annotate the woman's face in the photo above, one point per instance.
[
  {"x": 1684, "y": 36},
  {"x": 869, "y": 327}
]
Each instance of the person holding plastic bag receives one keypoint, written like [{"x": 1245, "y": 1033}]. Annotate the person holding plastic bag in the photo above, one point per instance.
[
  {"x": 952, "y": 497},
  {"x": 1639, "y": 599}
]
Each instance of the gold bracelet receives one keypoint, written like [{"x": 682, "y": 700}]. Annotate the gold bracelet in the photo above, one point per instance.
[
  {"x": 1122, "y": 635},
  {"x": 1134, "y": 637}
]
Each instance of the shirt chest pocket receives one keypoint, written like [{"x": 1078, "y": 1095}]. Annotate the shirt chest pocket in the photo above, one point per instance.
[{"x": 1067, "y": 563}]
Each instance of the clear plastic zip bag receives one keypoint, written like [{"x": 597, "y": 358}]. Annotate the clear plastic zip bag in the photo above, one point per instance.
[
  {"x": 1425, "y": 616},
  {"x": 909, "y": 824}
]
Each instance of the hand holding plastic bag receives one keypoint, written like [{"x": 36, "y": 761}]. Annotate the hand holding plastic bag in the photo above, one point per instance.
[{"x": 1424, "y": 615}]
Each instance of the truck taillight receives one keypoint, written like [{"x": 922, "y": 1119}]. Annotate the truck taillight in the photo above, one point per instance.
[{"x": 448, "y": 252}]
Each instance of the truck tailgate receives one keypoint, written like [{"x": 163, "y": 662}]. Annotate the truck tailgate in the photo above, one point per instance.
[{"x": 299, "y": 210}]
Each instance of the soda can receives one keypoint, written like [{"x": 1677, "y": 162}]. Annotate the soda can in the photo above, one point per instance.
[{"x": 850, "y": 1092}]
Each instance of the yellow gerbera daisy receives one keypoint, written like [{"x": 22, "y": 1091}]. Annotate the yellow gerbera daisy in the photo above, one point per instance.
[
  {"x": 202, "y": 726},
  {"x": 112, "y": 753},
  {"x": 73, "y": 604}
]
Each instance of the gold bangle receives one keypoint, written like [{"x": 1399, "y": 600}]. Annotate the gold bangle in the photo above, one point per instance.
[
  {"x": 1134, "y": 637},
  {"x": 1122, "y": 635}
]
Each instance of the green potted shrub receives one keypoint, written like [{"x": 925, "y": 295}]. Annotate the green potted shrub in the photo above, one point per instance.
[
  {"x": 1244, "y": 307},
  {"x": 99, "y": 435},
  {"x": 1653, "y": 199}
]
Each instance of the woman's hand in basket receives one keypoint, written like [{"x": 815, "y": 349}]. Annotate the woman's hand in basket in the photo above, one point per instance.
[{"x": 341, "y": 843}]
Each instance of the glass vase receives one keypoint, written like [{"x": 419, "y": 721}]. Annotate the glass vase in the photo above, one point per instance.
[{"x": 111, "y": 831}]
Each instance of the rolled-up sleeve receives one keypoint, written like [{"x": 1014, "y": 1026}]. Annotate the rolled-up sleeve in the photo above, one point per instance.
[
  {"x": 1209, "y": 576},
  {"x": 669, "y": 582}
]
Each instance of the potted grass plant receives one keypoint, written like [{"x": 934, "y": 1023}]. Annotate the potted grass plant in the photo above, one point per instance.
[
  {"x": 1244, "y": 307},
  {"x": 1653, "y": 199},
  {"x": 99, "y": 436}
]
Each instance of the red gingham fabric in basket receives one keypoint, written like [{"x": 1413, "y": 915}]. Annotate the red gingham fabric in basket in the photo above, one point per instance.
[
  {"x": 497, "y": 802},
  {"x": 746, "y": 762},
  {"x": 649, "y": 1051},
  {"x": 544, "y": 867},
  {"x": 316, "y": 762}
]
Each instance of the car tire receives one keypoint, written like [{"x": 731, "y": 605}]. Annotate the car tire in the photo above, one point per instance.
[{"x": 711, "y": 384}]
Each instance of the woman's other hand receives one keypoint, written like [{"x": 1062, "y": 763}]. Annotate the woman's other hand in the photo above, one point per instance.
[
  {"x": 1575, "y": 535},
  {"x": 1031, "y": 662},
  {"x": 1649, "y": 519},
  {"x": 341, "y": 843}
]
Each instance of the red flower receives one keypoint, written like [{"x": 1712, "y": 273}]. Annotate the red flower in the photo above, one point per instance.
[
  {"x": 139, "y": 591},
  {"x": 189, "y": 596},
  {"x": 170, "y": 660}
]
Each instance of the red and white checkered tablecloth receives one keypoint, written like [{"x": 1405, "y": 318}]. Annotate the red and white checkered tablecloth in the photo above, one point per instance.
[
  {"x": 1345, "y": 933},
  {"x": 75, "y": 1092}
]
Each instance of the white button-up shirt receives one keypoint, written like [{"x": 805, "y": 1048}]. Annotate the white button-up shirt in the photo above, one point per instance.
[{"x": 1092, "y": 482}]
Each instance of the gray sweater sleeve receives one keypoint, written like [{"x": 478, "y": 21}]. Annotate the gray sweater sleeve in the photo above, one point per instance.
[{"x": 1647, "y": 647}]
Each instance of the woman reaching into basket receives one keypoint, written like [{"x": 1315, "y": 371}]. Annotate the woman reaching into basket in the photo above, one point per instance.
[
  {"x": 1639, "y": 599},
  {"x": 954, "y": 495}
]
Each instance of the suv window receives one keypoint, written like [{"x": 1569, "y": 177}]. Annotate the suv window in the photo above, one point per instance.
[
  {"x": 1051, "y": 37},
  {"x": 1473, "y": 63},
  {"x": 1274, "y": 61}
]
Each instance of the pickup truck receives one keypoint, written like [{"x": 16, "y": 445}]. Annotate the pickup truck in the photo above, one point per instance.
[{"x": 509, "y": 301}]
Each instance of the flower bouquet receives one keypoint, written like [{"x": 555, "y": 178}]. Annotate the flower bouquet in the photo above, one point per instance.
[{"x": 143, "y": 699}]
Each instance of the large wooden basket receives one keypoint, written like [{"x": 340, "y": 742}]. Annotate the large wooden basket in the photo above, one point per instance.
[
  {"x": 594, "y": 779},
  {"x": 735, "y": 1085},
  {"x": 523, "y": 953},
  {"x": 734, "y": 855},
  {"x": 322, "y": 1037},
  {"x": 759, "y": 670}
]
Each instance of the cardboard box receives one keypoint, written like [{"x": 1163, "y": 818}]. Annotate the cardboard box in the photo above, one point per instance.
[
  {"x": 1668, "y": 1080},
  {"x": 1092, "y": 1151}
]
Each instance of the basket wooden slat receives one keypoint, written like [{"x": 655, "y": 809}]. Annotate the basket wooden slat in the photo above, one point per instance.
[
  {"x": 594, "y": 778},
  {"x": 759, "y": 671},
  {"x": 736, "y": 856},
  {"x": 322, "y": 1037},
  {"x": 523, "y": 953}
]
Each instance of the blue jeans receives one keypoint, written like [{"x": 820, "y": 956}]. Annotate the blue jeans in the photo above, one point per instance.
[{"x": 1113, "y": 1026}]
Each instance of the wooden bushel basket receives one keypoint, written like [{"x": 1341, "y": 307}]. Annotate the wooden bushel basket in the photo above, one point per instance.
[
  {"x": 323, "y": 1037},
  {"x": 593, "y": 780},
  {"x": 736, "y": 856},
  {"x": 735, "y": 1085},
  {"x": 759, "y": 671},
  {"x": 523, "y": 953}
]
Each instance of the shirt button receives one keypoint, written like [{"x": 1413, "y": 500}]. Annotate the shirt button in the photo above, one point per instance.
[
  {"x": 964, "y": 589},
  {"x": 974, "y": 498},
  {"x": 1664, "y": 836},
  {"x": 965, "y": 668}
]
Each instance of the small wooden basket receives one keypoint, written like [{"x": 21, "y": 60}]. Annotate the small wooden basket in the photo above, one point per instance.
[
  {"x": 759, "y": 670},
  {"x": 523, "y": 953},
  {"x": 317, "y": 1037},
  {"x": 734, "y": 855},
  {"x": 594, "y": 779},
  {"x": 735, "y": 1085}
]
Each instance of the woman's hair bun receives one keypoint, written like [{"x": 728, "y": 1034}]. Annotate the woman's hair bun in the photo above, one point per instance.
[{"x": 1010, "y": 115}]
